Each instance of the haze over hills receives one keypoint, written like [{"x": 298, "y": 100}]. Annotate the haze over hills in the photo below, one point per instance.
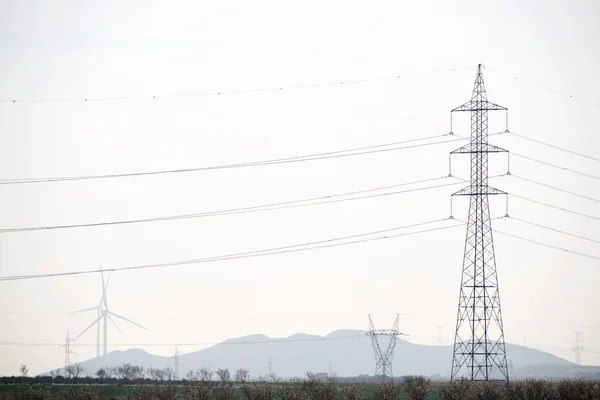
[{"x": 348, "y": 352}]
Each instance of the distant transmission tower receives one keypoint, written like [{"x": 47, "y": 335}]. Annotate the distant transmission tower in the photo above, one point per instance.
[
  {"x": 384, "y": 358},
  {"x": 330, "y": 369},
  {"x": 68, "y": 352},
  {"x": 270, "y": 368},
  {"x": 578, "y": 348},
  {"x": 440, "y": 335},
  {"x": 479, "y": 349},
  {"x": 176, "y": 362}
]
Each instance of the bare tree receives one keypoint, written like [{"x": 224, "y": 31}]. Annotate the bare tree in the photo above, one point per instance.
[
  {"x": 157, "y": 374},
  {"x": 192, "y": 375},
  {"x": 169, "y": 373},
  {"x": 120, "y": 372},
  {"x": 110, "y": 371},
  {"x": 101, "y": 373},
  {"x": 241, "y": 375},
  {"x": 78, "y": 370},
  {"x": 205, "y": 374},
  {"x": 74, "y": 370},
  {"x": 161, "y": 374},
  {"x": 54, "y": 373},
  {"x": 223, "y": 374},
  {"x": 130, "y": 372},
  {"x": 24, "y": 370}
]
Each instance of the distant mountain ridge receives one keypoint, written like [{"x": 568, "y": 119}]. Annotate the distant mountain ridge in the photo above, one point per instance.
[{"x": 348, "y": 352}]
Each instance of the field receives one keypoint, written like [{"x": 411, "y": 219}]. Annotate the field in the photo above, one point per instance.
[
  {"x": 61, "y": 392},
  {"x": 415, "y": 388}
]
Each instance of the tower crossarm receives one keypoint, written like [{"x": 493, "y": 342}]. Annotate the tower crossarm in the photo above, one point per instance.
[
  {"x": 385, "y": 332},
  {"x": 479, "y": 105},
  {"x": 479, "y": 148},
  {"x": 478, "y": 191}
]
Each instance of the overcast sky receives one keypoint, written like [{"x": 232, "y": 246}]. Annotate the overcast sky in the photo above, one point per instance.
[{"x": 88, "y": 49}]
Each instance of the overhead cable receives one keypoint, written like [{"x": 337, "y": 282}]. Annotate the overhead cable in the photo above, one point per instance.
[
  {"x": 310, "y": 157},
  {"x": 321, "y": 244},
  {"x": 228, "y": 342},
  {"x": 546, "y": 245},
  {"x": 238, "y": 91},
  {"x": 555, "y": 207},
  {"x": 554, "y": 229},
  {"x": 259, "y": 208},
  {"x": 549, "y": 164},
  {"x": 544, "y": 87},
  {"x": 554, "y": 146},
  {"x": 554, "y": 188}
]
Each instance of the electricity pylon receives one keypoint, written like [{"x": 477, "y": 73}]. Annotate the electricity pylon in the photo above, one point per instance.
[
  {"x": 384, "y": 358},
  {"x": 176, "y": 362},
  {"x": 479, "y": 349},
  {"x": 578, "y": 348},
  {"x": 68, "y": 352}
]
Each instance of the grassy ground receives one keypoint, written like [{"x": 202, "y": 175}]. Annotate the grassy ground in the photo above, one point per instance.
[{"x": 369, "y": 390}]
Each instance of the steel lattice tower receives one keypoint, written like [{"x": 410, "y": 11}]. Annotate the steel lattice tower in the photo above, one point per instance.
[
  {"x": 68, "y": 352},
  {"x": 384, "y": 358},
  {"x": 479, "y": 349}
]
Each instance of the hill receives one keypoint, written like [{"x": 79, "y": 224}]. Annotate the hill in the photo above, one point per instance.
[{"x": 348, "y": 352}]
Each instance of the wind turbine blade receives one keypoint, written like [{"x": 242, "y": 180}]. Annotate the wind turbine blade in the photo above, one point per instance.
[
  {"x": 84, "y": 309},
  {"x": 92, "y": 324},
  {"x": 107, "y": 281},
  {"x": 125, "y": 319},
  {"x": 115, "y": 324},
  {"x": 104, "y": 299}
]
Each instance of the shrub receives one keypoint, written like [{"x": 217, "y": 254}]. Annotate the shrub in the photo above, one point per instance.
[
  {"x": 490, "y": 390},
  {"x": 140, "y": 393},
  {"x": 292, "y": 391},
  {"x": 388, "y": 391},
  {"x": 199, "y": 391},
  {"x": 352, "y": 392},
  {"x": 536, "y": 389},
  {"x": 26, "y": 392},
  {"x": 165, "y": 392},
  {"x": 417, "y": 387},
  {"x": 316, "y": 389},
  {"x": 577, "y": 390},
  {"x": 259, "y": 391},
  {"x": 80, "y": 393},
  {"x": 455, "y": 390}
]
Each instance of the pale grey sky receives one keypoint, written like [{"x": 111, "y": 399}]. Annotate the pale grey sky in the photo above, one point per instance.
[{"x": 86, "y": 49}]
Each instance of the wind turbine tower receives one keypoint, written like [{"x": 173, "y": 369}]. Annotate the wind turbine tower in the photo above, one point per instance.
[{"x": 103, "y": 316}]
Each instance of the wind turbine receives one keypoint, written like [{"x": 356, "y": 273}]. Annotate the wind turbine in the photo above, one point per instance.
[{"x": 103, "y": 315}]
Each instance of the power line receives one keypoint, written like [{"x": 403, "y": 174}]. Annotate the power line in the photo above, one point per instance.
[
  {"x": 239, "y": 91},
  {"x": 549, "y": 164},
  {"x": 554, "y": 229},
  {"x": 265, "y": 207},
  {"x": 547, "y": 245},
  {"x": 555, "y": 188},
  {"x": 544, "y": 87},
  {"x": 250, "y": 254},
  {"x": 437, "y": 318},
  {"x": 228, "y": 343},
  {"x": 222, "y": 316},
  {"x": 309, "y": 157},
  {"x": 553, "y": 146},
  {"x": 555, "y": 207}
]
